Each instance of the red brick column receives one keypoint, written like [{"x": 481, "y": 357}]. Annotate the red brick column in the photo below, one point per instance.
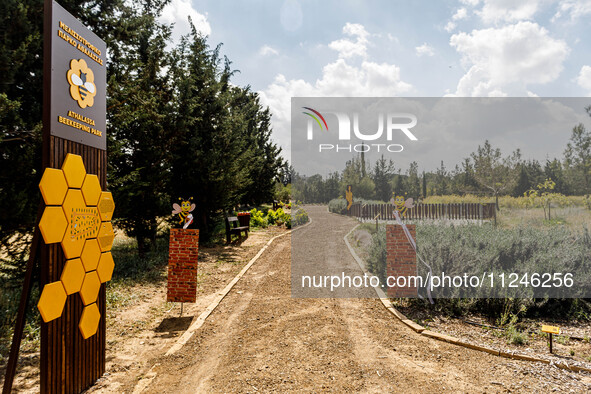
[
  {"x": 401, "y": 259},
  {"x": 182, "y": 265}
]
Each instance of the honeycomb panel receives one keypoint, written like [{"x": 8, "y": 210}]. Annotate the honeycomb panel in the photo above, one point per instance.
[
  {"x": 72, "y": 276},
  {"x": 91, "y": 254},
  {"x": 53, "y": 186},
  {"x": 105, "y": 267},
  {"x": 52, "y": 301},
  {"x": 89, "y": 321},
  {"x": 90, "y": 288},
  {"x": 91, "y": 190},
  {"x": 74, "y": 171},
  {"x": 106, "y": 206},
  {"x": 106, "y": 236},
  {"x": 53, "y": 225}
]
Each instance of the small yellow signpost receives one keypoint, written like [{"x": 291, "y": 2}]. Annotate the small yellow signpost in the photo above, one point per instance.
[{"x": 550, "y": 330}]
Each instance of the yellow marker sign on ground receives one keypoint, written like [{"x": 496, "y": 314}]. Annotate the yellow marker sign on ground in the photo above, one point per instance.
[{"x": 551, "y": 329}]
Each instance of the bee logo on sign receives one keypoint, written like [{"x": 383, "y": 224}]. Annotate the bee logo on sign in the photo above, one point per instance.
[{"x": 81, "y": 80}]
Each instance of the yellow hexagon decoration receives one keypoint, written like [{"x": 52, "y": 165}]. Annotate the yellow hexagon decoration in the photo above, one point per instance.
[
  {"x": 106, "y": 236},
  {"x": 74, "y": 171},
  {"x": 78, "y": 215},
  {"x": 53, "y": 225},
  {"x": 53, "y": 186},
  {"x": 83, "y": 223},
  {"x": 105, "y": 267},
  {"x": 89, "y": 320},
  {"x": 72, "y": 276},
  {"x": 90, "y": 288},
  {"x": 91, "y": 190},
  {"x": 106, "y": 206},
  {"x": 91, "y": 254},
  {"x": 52, "y": 301}
]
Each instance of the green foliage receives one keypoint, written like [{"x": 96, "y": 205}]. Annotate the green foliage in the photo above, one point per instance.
[
  {"x": 282, "y": 192},
  {"x": 298, "y": 217},
  {"x": 258, "y": 219},
  {"x": 130, "y": 267},
  {"x": 337, "y": 205}
]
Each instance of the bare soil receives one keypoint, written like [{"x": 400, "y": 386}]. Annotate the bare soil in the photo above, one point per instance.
[
  {"x": 260, "y": 339},
  {"x": 143, "y": 325}
]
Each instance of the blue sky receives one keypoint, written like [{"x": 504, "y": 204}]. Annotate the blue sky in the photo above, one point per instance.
[{"x": 467, "y": 48}]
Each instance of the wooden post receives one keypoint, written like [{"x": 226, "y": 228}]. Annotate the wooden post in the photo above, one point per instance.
[
  {"x": 550, "y": 339},
  {"x": 22, "y": 309}
]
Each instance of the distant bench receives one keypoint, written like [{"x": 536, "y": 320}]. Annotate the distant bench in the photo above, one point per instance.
[{"x": 233, "y": 227}]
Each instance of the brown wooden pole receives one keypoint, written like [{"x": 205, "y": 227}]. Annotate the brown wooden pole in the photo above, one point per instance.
[{"x": 22, "y": 309}]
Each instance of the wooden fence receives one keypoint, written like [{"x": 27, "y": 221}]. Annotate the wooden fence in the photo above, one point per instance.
[{"x": 469, "y": 211}]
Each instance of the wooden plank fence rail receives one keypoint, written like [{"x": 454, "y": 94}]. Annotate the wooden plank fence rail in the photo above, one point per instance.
[{"x": 455, "y": 211}]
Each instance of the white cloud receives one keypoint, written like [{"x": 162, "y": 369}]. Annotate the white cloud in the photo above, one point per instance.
[
  {"x": 470, "y": 2},
  {"x": 584, "y": 79},
  {"x": 574, "y": 9},
  {"x": 460, "y": 14},
  {"x": 450, "y": 26},
  {"x": 347, "y": 47},
  {"x": 424, "y": 50},
  {"x": 267, "y": 50},
  {"x": 338, "y": 79},
  {"x": 495, "y": 11},
  {"x": 393, "y": 38},
  {"x": 508, "y": 58},
  {"x": 178, "y": 12}
]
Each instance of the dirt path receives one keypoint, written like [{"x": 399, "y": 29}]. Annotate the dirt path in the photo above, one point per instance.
[{"x": 262, "y": 339}]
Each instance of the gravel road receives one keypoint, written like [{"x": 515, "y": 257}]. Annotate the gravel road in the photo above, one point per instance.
[{"x": 261, "y": 339}]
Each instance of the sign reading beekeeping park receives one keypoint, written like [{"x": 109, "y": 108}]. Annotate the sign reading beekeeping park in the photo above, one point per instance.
[{"x": 78, "y": 81}]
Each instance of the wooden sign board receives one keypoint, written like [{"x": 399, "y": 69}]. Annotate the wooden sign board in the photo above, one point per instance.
[
  {"x": 551, "y": 329},
  {"x": 74, "y": 121},
  {"x": 78, "y": 100}
]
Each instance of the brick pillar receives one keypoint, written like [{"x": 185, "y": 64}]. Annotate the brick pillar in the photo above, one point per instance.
[
  {"x": 182, "y": 265},
  {"x": 401, "y": 259}
]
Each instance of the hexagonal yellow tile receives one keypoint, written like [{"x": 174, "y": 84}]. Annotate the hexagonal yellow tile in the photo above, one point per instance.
[
  {"x": 90, "y": 288},
  {"x": 106, "y": 206},
  {"x": 53, "y": 186},
  {"x": 52, "y": 301},
  {"x": 74, "y": 170},
  {"x": 91, "y": 190},
  {"x": 72, "y": 276},
  {"x": 105, "y": 267},
  {"x": 73, "y": 242},
  {"x": 105, "y": 236},
  {"x": 73, "y": 202},
  {"x": 91, "y": 254},
  {"x": 53, "y": 225},
  {"x": 89, "y": 321}
]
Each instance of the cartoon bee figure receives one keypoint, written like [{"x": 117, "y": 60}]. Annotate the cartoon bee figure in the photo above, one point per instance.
[
  {"x": 400, "y": 205},
  {"x": 184, "y": 211},
  {"x": 81, "y": 80},
  {"x": 84, "y": 86}
]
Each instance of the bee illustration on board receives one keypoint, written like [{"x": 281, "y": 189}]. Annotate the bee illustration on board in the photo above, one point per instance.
[
  {"x": 81, "y": 80},
  {"x": 400, "y": 204},
  {"x": 84, "y": 85},
  {"x": 184, "y": 211}
]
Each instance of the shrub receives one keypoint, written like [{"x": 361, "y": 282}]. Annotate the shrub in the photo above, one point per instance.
[
  {"x": 257, "y": 218},
  {"x": 337, "y": 205},
  {"x": 298, "y": 217}
]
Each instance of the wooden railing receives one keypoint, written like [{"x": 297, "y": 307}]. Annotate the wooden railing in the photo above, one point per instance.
[{"x": 470, "y": 211}]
